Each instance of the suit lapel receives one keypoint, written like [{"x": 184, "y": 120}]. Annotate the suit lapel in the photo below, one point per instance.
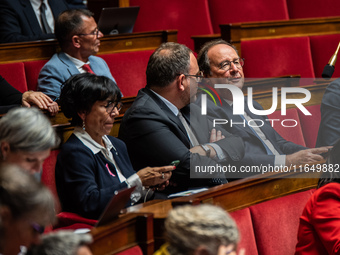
[
  {"x": 31, "y": 17},
  {"x": 71, "y": 68},
  {"x": 168, "y": 113}
]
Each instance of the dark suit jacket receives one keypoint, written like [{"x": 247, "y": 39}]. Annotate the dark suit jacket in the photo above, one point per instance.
[
  {"x": 84, "y": 184},
  {"x": 18, "y": 22},
  {"x": 9, "y": 96},
  {"x": 155, "y": 136},
  {"x": 255, "y": 152},
  {"x": 329, "y": 129}
]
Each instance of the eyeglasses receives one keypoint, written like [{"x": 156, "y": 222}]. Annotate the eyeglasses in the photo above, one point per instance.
[
  {"x": 95, "y": 32},
  {"x": 112, "y": 105},
  {"x": 37, "y": 228},
  {"x": 199, "y": 76},
  {"x": 226, "y": 65}
]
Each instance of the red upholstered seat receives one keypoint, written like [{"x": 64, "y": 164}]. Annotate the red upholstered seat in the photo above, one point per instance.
[
  {"x": 66, "y": 220},
  {"x": 245, "y": 226},
  {"x": 135, "y": 250},
  {"x": 322, "y": 48},
  {"x": 32, "y": 70},
  {"x": 310, "y": 124},
  {"x": 276, "y": 223},
  {"x": 298, "y": 9},
  {"x": 14, "y": 73},
  {"x": 227, "y": 11},
  {"x": 189, "y": 17},
  {"x": 277, "y": 57},
  {"x": 293, "y": 134},
  {"x": 128, "y": 68}
]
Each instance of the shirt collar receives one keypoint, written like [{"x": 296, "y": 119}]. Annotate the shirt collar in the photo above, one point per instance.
[
  {"x": 171, "y": 106},
  {"x": 95, "y": 147},
  {"x": 78, "y": 63}
]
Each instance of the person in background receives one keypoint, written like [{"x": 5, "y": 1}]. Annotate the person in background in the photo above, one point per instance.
[
  {"x": 62, "y": 242},
  {"x": 329, "y": 129},
  {"x": 26, "y": 138},
  {"x": 319, "y": 229},
  {"x": 76, "y": 4},
  {"x": 10, "y": 97},
  {"x": 220, "y": 63},
  {"x": 162, "y": 125},
  {"x": 79, "y": 40},
  {"x": 92, "y": 165},
  {"x": 29, "y": 20},
  {"x": 201, "y": 230},
  {"x": 26, "y": 207}
]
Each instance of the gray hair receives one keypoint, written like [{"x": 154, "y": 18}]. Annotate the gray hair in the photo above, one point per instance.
[
  {"x": 27, "y": 129},
  {"x": 188, "y": 227},
  {"x": 24, "y": 196},
  {"x": 166, "y": 63},
  {"x": 202, "y": 57},
  {"x": 63, "y": 242}
]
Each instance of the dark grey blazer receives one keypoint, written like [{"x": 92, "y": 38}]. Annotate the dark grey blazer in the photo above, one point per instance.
[{"x": 155, "y": 136}]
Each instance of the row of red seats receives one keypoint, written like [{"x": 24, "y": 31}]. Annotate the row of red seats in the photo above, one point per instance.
[
  {"x": 202, "y": 17},
  {"x": 305, "y": 56},
  {"x": 128, "y": 68}
]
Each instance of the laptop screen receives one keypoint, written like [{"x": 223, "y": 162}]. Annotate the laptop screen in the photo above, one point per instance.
[{"x": 117, "y": 20}]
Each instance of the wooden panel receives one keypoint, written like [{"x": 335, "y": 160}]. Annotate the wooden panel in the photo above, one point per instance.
[
  {"x": 236, "y": 32},
  {"x": 27, "y": 51},
  {"x": 127, "y": 231},
  {"x": 233, "y": 196}
]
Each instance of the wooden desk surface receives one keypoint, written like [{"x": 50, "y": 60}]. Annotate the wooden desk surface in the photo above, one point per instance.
[{"x": 37, "y": 50}]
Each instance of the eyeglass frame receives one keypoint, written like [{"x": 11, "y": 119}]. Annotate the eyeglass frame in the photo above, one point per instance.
[
  {"x": 118, "y": 105},
  {"x": 37, "y": 228},
  {"x": 199, "y": 75},
  {"x": 239, "y": 59},
  {"x": 95, "y": 32}
]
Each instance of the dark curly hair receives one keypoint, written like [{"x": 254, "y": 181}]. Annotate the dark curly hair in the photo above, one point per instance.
[{"x": 81, "y": 91}]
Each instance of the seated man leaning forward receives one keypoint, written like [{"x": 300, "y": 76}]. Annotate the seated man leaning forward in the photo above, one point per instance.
[
  {"x": 92, "y": 165},
  {"x": 156, "y": 128},
  {"x": 220, "y": 62},
  {"x": 78, "y": 37}
]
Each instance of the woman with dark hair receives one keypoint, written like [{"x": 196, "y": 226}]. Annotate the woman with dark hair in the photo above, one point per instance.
[
  {"x": 92, "y": 166},
  {"x": 319, "y": 230}
]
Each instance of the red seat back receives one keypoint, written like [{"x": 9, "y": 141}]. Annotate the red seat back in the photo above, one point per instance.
[
  {"x": 277, "y": 57},
  {"x": 276, "y": 223},
  {"x": 32, "y": 70},
  {"x": 128, "y": 68},
  {"x": 245, "y": 226},
  {"x": 293, "y": 134},
  {"x": 48, "y": 176},
  {"x": 298, "y": 9},
  {"x": 323, "y": 48},
  {"x": 227, "y": 11},
  {"x": 189, "y": 17},
  {"x": 14, "y": 74},
  {"x": 310, "y": 124}
]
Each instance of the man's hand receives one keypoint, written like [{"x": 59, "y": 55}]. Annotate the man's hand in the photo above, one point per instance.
[
  {"x": 41, "y": 100},
  {"x": 215, "y": 135},
  {"x": 306, "y": 156}
]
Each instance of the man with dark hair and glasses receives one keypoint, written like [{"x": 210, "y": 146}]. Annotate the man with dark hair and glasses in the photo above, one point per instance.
[
  {"x": 79, "y": 39},
  {"x": 162, "y": 126},
  {"x": 220, "y": 63}
]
